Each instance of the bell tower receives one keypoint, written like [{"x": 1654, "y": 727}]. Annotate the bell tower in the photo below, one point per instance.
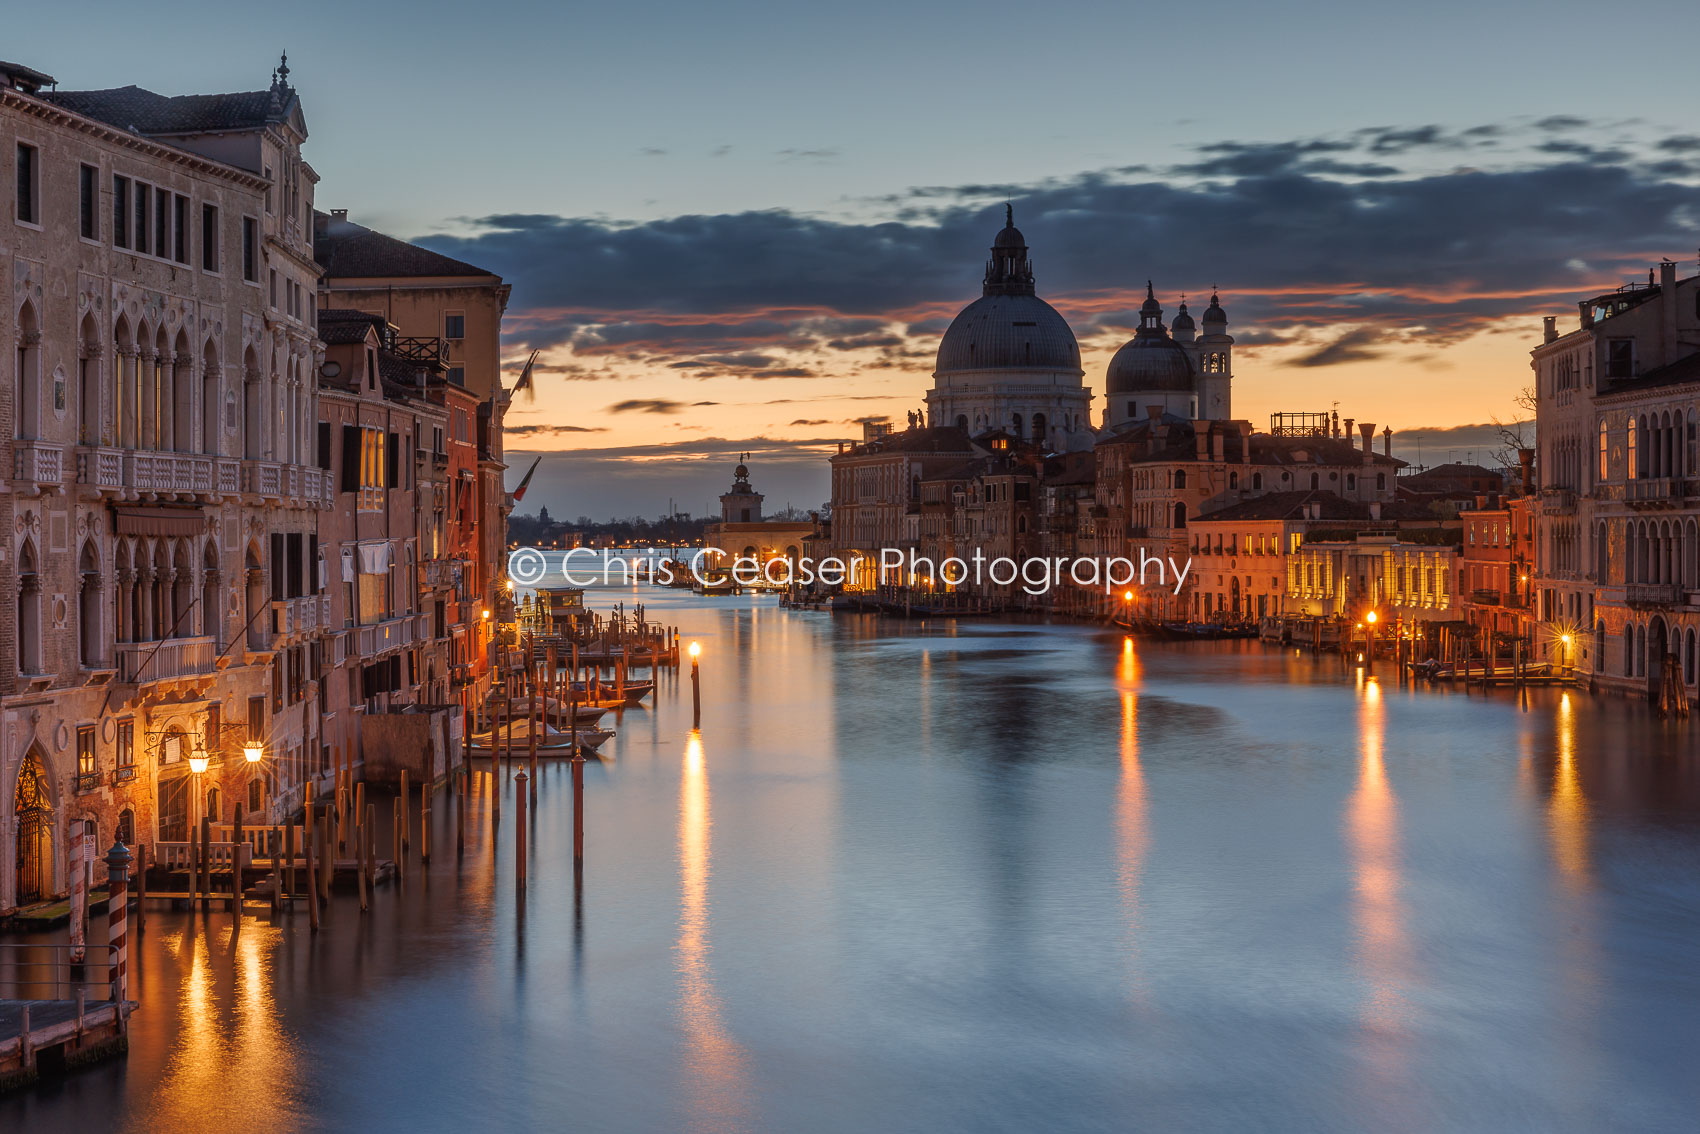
[
  {"x": 1215, "y": 355},
  {"x": 742, "y": 505}
]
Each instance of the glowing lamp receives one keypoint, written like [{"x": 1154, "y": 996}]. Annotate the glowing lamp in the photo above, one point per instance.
[
  {"x": 253, "y": 751},
  {"x": 198, "y": 763},
  {"x": 696, "y": 651},
  {"x": 1127, "y": 596},
  {"x": 1565, "y": 639},
  {"x": 1371, "y": 617},
  {"x": 486, "y": 612}
]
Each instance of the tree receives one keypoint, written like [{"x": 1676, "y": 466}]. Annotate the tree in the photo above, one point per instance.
[{"x": 1519, "y": 432}]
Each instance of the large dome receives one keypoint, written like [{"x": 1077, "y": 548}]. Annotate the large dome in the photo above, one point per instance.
[
  {"x": 1149, "y": 364},
  {"x": 1005, "y": 332}
]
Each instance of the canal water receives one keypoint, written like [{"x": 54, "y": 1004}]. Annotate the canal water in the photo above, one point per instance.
[{"x": 986, "y": 877}]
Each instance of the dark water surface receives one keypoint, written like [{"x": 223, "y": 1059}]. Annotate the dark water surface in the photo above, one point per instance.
[{"x": 966, "y": 877}]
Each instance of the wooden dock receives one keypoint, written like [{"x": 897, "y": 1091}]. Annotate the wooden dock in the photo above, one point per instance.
[{"x": 48, "y": 1037}]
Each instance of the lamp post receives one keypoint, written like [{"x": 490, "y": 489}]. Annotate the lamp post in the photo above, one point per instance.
[
  {"x": 198, "y": 868},
  {"x": 1369, "y": 640},
  {"x": 1564, "y": 652},
  {"x": 696, "y": 687}
]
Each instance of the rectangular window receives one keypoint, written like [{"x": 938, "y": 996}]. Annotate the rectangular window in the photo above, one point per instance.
[
  {"x": 139, "y": 239},
  {"x": 161, "y": 223},
  {"x": 85, "y": 750},
  {"x": 29, "y": 188},
  {"x": 250, "y": 250},
  {"x": 454, "y": 326},
  {"x": 180, "y": 229},
  {"x": 1620, "y": 359},
  {"x": 457, "y": 375},
  {"x": 89, "y": 205},
  {"x": 272, "y": 287},
  {"x": 209, "y": 238},
  {"x": 126, "y": 744},
  {"x": 120, "y": 211},
  {"x": 324, "y": 446}
]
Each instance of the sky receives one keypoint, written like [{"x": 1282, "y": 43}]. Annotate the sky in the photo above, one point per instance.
[{"x": 742, "y": 227}]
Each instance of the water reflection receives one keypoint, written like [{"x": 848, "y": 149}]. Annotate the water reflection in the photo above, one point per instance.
[
  {"x": 231, "y": 1058},
  {"x": 715, "y": 1073},
  {"x": 1382, "y": 950},
  {"x": 1131, "y": 832},
  {"x": 1567, "y": 811}
]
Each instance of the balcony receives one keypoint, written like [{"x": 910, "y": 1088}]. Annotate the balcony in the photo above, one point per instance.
[
  {"x": 142, "y": 662},
  {"x": 296, "y": 483},
  {"x": 1655, "y": 491},
  {"x": 1483, "y": 596},
  {"x": 388, "y": 635},
  {"x": 1558, "y": 502},
  {"x": 39, "y": 465},
  {"x": 167, "y": 474},
  {"x": 1652, "y": 594},
  {"x": 300, "y": 615}
]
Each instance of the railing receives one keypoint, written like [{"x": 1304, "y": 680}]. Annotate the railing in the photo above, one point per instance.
[
  {"x": 1484, "y": 596},
  {"x": 300, "y": 615},
  {"x": 1656, "y": 488},
  {"x": 147, "y": 471},
  {"x": 46, "y": 972},
  {"x": 386, "y": 635},
  {"x": 417, "y": 349},
  {"x": 37, "y": 463},
  {"x": 1558, "y": 501},
  {"x": 263, "y": 478},
  {"x": 1652, "y": 594},
  {"x": 220, "y": 856},
  {"x": 159, "y": 661},
  {"x": 264, "y": 844}
]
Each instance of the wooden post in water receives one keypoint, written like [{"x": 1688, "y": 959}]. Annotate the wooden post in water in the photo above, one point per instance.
[
  {"x": 359, "y": 849},
  {"x": 141, "y": 886},
  {"x": 206, "y": 863},
  {"x": 289, "y": 863},
  {"x": 398, "y": 834},
  {"x": 519, "y": 828},
  {"x": 578, "y": 808},
  {"x": 236, "y": 848},
  {"x": 371, "y": 844},
  {"x": 308, "y": 827},
  {"x": 405, "y": 801},
  {"x": 425, "y": 830}
]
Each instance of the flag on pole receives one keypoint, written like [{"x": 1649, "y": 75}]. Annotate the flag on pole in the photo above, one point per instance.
[
  {"x": 525, "y": 481},
  {"x": 524, "y": 382}
]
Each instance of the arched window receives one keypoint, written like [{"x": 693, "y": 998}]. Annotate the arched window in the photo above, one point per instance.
[
  {"x": 1605, "y": 471},
  {"x": 27, "y": 375},
  {"x": 1634, "y": 472},
  {"x": 1351, "y": 482},
  {"x": 1381, "y": 480},
  {"x": 29, "y": 611},
  {"x": 88, "y": 383},
  {"x": 1015, "y": 421},
  {"x": 1180, "y": 515},
  {"x": 1180, "y": 478},
  {"x": 1257, "y": 480},
  {"x": 1315, "y": 481},
  {"x": 962, "y": 422},
  {"x": 1039, "y": 427},
  {"x": 1233, "y": 480},
  {"x": 90, "y": 637}
]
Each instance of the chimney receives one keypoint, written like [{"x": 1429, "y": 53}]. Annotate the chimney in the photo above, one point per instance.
[
  {"x": 1667, "y": 311},
  {"x": 1201, "y": 434},
  {"x": 1245, "y": 442},
  {"x": 339, "y": 214},
  {"x": 1368, "y": 430},
  {"x": 1387, "y": 441},
  {"x": 1549, "y": 328},
  {"x": 1218, "y": 438},
  {"x": 1152, "y": 413},
  {"x": 1526, "y": 457},
  {"x": 1348, "y": 433}
]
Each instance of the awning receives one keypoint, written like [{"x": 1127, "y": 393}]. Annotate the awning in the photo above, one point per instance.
[
  {"x": 161, "y": 521},
  {"x": 375, "y": 558}
]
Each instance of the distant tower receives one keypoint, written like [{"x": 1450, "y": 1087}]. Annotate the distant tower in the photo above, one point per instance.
[
  {"x": 1215, "y": 364},
  {"x": 742, "y": 505}
]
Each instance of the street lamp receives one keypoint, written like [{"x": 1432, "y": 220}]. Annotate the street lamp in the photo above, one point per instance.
[{"x": 253, "y": 751}]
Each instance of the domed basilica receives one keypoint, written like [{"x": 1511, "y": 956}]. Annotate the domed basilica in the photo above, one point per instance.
[{"x": 1009, "y": 361}]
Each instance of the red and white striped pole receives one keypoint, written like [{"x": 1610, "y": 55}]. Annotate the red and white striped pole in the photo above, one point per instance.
[{"x": 117, "y": 913}]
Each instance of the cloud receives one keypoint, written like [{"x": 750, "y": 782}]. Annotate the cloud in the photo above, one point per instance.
[
  {"x": 547, "y": 430},
  {"x": 1356, "y": 345},
  {"x": 1304, "y": 236},
  {"x": 811, "y": 421},
  {"x": 651, "y": 405}
]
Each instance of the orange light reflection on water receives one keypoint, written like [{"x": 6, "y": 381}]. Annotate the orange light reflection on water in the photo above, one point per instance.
[
  {"x": 715, "y": 1072},
  {"x": 1382, "y": 951},
  {"x": 1131, "y": 830}
]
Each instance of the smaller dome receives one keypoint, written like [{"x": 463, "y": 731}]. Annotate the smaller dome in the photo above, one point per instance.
[
  {"x": 1183, "y": 321},
  {"x": 1149, "y": 364},
  {"x": 1150, "y": 306},
  {"x": 742, "y": 472},
  {"x": 1214, "y": 313},
  {"x": 1009, "y": 236}
]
